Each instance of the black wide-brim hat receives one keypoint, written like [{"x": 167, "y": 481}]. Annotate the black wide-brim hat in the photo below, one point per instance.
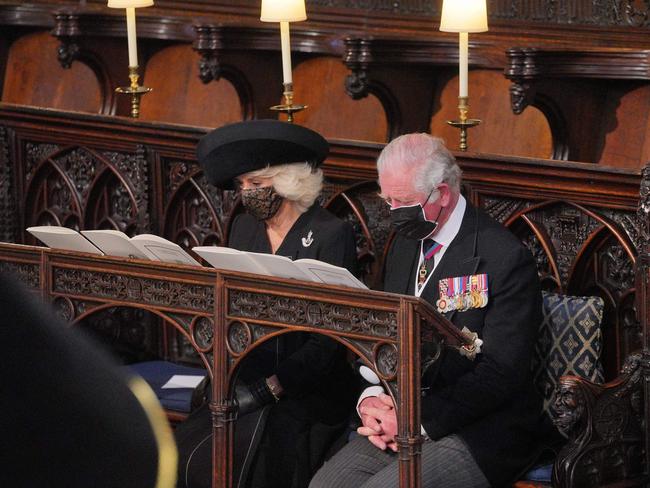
[{"x": 236, "y": 149}]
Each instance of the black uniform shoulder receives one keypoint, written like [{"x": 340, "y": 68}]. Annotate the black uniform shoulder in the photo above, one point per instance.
[
  {"x": 499, "y": 247},
  {"x": 495, "y": 236}
]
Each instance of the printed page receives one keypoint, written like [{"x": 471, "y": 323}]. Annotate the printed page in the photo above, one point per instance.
[
  {"x": 280, "y": 266},
  {"x": 114, "y": 243},
  {"x": 160, "y": 249},
  {"x": 229, "y": 259},
  {"x": 57, "y": 237},
  {"x": 329, "y": 274}
]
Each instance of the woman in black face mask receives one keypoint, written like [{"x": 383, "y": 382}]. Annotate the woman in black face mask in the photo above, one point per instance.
[{"x": 291, "y": 402}]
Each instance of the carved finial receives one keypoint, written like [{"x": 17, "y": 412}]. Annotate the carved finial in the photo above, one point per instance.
[
  {"x": 66, "y": 29},
  {"x": 208, "y": 44},
  {"x": 520, "y": 96},
  {"x": 357, "y": 57}
]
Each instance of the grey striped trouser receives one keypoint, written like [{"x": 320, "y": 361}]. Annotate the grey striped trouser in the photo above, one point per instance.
[{"x": 446, "y": 463}]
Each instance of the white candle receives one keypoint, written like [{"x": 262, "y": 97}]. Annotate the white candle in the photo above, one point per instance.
[
  {"x": 130, "y": 30},
  {"x": 286, "y": 52},
  {"x": 462, "y": 64}
]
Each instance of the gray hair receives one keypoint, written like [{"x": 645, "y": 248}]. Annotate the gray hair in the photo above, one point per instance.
[
  {"x": 433, "y": 162},
  {"x": 297, "y": 182}
]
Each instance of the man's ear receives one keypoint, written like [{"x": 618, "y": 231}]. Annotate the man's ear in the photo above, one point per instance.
[{"x": 445, "y": 194}]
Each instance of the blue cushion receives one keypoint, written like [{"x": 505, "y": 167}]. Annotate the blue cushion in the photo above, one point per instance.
[
  {"x": 569, "y": 342},
  {"x": 157, "y": 373},
  {"x": 540, "y": 474}
]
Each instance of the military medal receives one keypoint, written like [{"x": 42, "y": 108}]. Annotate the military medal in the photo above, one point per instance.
[
  {"x": 462, "y": 293},
  {"x": 442, "y": 302}
]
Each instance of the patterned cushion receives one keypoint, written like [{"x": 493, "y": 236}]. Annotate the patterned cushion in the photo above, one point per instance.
[{"x": 569, "y": 341}]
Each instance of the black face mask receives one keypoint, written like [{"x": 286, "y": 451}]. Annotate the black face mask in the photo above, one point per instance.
[
  {"x": 263, "y": 203},
  {"x": 411, "y": 223}
]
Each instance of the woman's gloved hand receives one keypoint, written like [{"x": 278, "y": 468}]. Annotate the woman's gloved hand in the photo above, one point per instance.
[{"x": 253, "y": 396}]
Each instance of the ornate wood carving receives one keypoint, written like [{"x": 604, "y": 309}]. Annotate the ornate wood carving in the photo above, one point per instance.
[
  {"x": 118, "y": 287},
  {"x": 197, "y": 213},
  {"x": 66, "y": 29},
  {"x": 88, "y": 189},
  {"x": 319, "y": 314},
  {"x": 547, "y": 78},
  {"x": 357, "y": 57},
  {"x": 8, "y": 207},
  {"x": 29, "y": 274},
  {"x": 207, "y": 43},
  {"x": 604, "y": 424}
]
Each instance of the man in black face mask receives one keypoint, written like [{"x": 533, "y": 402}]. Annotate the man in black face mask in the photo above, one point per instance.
[{"x": 479, "y": 417}]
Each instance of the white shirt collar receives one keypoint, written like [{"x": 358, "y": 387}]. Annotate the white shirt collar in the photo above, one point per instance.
[{"x": 450, "y": 229}]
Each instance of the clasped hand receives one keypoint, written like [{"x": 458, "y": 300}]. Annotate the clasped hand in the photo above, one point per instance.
[{"x": 379, "y": 421}]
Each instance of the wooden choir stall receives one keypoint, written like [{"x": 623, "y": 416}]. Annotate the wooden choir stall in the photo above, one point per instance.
[
  {"x": 225, "y": 315},
  {"x": 560, "y": 159},
  {"x": 586, "y": 225}
]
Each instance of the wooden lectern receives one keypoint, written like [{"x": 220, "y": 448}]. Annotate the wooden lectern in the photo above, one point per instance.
[{"x": 225, "y": 315}]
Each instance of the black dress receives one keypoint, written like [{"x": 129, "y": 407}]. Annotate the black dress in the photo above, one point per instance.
[{"x": 284, "y": 444}]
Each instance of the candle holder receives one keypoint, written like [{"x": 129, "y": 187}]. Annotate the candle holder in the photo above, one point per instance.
[
  {"x": 134, "y": 90},
  {"x": 288, "y": 107},
  {"x": 464, "y": 123}
]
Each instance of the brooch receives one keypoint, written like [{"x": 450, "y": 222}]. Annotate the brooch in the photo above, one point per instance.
[{"x": 307, "y": 241}]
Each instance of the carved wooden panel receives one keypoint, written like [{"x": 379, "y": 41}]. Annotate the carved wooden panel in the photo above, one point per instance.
[
  {"x": 181, "y": 97},
  {"x": 32, "y": 62},
  {"x": 500, "y": 131},
  {"x": 196, "y": 213},
  {"x": 319, "y": 83},
  {"x": 584, "y": 248},
  {"x": 83, "y": 189},
  {"x": 583, "y": 127},
  {"x": 8, "y": 207},
  {"x": 581, "y": 12}
]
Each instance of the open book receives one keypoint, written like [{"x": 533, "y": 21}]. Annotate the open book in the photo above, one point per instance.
[
  {"x": 63, "y": 238},
  {"x": 113, "y": 243},
  {"x": 280, "y": 266}
]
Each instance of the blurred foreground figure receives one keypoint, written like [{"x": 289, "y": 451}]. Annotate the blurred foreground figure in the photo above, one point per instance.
[{"x": 70, "y": 418}]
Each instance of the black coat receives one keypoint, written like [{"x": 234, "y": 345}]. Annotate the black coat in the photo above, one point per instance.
[
  {"x": 320, "y": 386},
  {"x": 491, "y": 403},
  {"x": 305, "y": 361}
]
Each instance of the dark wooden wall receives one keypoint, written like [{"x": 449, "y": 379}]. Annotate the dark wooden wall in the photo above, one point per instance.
[{"x": 560, "y": 79}]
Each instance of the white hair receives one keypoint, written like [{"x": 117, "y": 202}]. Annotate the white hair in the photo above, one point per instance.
[
  {"x": 427, "y": 155},
  {"x": 297, "y": 182}
]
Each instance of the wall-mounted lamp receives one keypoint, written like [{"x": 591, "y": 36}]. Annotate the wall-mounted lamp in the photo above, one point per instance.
[
  {"x": 463, "y": 16},
  {"x": 285, "y": 11},
  {"x": 134, "y": 89}
]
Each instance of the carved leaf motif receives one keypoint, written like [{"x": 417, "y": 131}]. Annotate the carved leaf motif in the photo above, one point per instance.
[
  {"x": 500, "y": 209},
  {"x": 144, "y": 291},
  {"x": 35, "y": 154},
  {"x": 28, "y": 274},
  {"x": 328, "y": 316},
  {"x": 64, "y": 308},
  {"x": 203, "y": 332},
  {"x": 239, "y": 337},
  {"x": 386, "y": 359},
  {"x": 8, "y": 217},
  {"x": 134, "y": 169},
  {"x": 617, "y": 269},
  {"x": 81, "y": 167}
]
